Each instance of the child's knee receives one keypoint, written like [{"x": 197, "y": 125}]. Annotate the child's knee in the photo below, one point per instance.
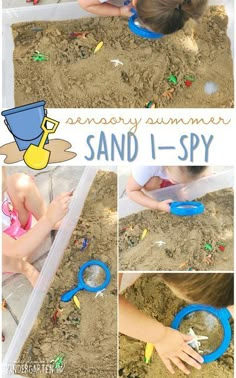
[
  {"x": 21, "y": 182},
  {"x": 83, "y": 3}
]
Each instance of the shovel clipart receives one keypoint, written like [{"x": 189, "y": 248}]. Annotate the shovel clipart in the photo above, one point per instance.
[{"x": 37, "y": 157}]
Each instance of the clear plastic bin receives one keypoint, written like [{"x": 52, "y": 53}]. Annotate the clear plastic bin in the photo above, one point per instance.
[
  {"x": 56, "y": 12},
  {"x": 182, "y": 192},
  {"x": 50, "y": 267}
]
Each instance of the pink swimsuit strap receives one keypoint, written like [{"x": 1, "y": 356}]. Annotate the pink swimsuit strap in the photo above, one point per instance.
[{"x": 15, "y": 230}]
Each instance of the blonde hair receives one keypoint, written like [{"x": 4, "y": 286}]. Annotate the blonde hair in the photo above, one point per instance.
[
  {"x": 168, "y": 16},
  {"x": 215, "y": 289}
]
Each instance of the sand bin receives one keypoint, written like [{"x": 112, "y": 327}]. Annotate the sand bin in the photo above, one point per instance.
[
  {"x": 76, "y": 77},
  {"x": 185, "y": 238},
  {"x": 87, "y": 337},
  {"x": 154, "y": 298}
]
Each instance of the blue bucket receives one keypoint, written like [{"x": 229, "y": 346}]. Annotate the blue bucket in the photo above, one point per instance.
[{"x": 24, "y": 123}]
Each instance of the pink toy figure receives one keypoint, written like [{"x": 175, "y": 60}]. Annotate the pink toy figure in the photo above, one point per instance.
[{"x": 34, "y": 1}]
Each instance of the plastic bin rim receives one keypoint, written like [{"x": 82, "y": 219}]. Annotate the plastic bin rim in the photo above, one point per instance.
[{"x": 23, "y": 108}]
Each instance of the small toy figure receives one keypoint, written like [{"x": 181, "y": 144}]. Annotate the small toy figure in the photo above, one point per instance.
[
  {"x": 117, "y": 62},
  {"x": 85, "y": 244},
  {"x": 98, "y": 47},
  {"x": 221, "y": 246},
  {"x": 188, "y": 83},
  {"x": 149, "y": 349},
  {"x": 39, "y": 57},
  {"x": 195, "y": 343},
  {"x": 208, "y": 247},
  {"x": 58, "y": 361},
  {"x": 172, "y": 79},
  {"x": 56, "y": 315},
  {"x": 82, "y": 35},
  {"x": 169, "y": 93},
  {"x": 35, "y": 2},
  {"x": 150, "y": 105}
]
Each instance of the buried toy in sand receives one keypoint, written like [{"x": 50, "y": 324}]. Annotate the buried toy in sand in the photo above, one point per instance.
[{"x": 188, "y": 69}]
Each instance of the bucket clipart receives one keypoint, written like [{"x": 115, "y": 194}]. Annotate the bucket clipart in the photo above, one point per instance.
[{"x": 24, "y": 123}]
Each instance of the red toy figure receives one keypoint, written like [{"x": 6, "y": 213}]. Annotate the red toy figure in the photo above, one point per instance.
[
  {"x": 188, "y": 83},
  {"x": 34, "y": 1}
]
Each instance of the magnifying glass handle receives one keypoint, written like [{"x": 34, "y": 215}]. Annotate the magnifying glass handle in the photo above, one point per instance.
[{"x": 66, "y": 297}]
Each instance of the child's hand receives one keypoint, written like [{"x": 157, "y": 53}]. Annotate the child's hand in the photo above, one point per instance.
[
  {"x": 173, "y": 348},
  {"x": 164, "y": 205},
  {"x": 125, "y": 11},
  {"x": 58, "y": 208},
  {"x": 231, "y": 310}
]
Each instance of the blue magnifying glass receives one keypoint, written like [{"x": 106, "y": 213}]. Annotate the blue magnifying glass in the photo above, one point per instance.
[
  {"x": 139, "y": 30},
  {"x": 222, "y": 315},
  {"x": 187, "y": 208},
  {"x": 82, "y": 285}
]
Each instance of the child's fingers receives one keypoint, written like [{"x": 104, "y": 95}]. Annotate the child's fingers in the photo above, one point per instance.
[
  {"x": 64, "y": 194},
  {"x": 180, "y": 365},
  {"x": 191, "y": 352},
  {"x": 168, "y": 365},
  {"x": 190, "y": 361},
  {"x": 66, "y": 199},
  {"x": 187, "y": 337}
]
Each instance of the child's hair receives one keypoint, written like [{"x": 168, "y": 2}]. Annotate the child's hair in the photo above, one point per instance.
[
  {"x": 194, "y": 171},
  {"x": 215, "y": 289},
  {"x": 168, "y": 16}
]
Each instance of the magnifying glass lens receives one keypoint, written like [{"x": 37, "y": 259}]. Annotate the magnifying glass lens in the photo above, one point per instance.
[
  {"x": 203, "y": 324},
  {"x": 187, "y": 207},
  {"x": 94, "y": 276}
]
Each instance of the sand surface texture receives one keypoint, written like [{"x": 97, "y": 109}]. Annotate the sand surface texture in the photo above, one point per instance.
[
  {"x": 179, "y": 243},
  {"x": 73, "y": 76}
]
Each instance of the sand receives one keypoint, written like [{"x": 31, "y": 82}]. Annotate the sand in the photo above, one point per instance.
[
  {"x": 57, "y": 147},
  {"x": 155, "y": 299},
  {"x": 74, "y": 76},
  {"x": 184, "y": 238},
  {"x": 87, "y": 337}
]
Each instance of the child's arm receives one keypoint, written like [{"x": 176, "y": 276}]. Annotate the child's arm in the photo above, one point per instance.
[
  {"x": 134, "y": 192},
  {"x": 170, "y": 344},
  {"x": 104, "y": 9},
  {"x": 231, "y": 310},
  {"x": 27, "y": 243}
]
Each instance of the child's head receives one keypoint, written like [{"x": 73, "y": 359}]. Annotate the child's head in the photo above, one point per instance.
[
  {"x": 168, "y": 16},
  {"x": 184, "y": 175},
  {"x": 214, "y": 289}
]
